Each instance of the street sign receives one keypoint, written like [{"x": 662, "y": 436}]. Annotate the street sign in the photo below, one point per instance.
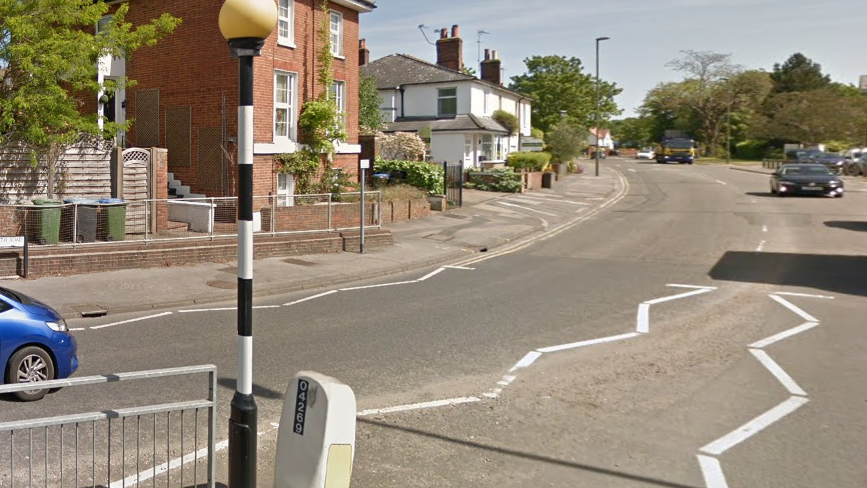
[
  {"x": 365, "y": 164},
  {"x": 12, "y": 241}
]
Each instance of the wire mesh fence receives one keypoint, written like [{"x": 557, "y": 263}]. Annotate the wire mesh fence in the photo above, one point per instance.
[{"x": 94, "y": 222}]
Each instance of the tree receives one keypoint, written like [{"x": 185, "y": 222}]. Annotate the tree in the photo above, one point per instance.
[
  {"x": 369, "y": 102},
  {"x": 706, "y": 92},
  {"x": 49, "y": 55},
  {"x": 558, "y": 86},
  {"x": 566, "y": 140},
  {"x": 402, "y": 146},
  {"x": 798, "y": 74},
  {"x": 816, "y": 116},
  {"x": 633, "y": 131}
]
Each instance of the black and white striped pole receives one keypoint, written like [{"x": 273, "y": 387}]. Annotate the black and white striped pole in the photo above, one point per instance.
[{"x": 245, "y": 24}]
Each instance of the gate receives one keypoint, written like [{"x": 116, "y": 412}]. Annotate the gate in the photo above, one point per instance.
[
  {"x": 137, "y": 184},
  {"x": 454, "y": 183}
]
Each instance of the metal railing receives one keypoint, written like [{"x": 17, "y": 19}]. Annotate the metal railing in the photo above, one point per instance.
[
  {"x": 187, "y": 218},
  {"x": 38, "y": 453}
]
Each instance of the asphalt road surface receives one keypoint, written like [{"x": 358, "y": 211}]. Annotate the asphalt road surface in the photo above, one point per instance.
[{"x": 699, "y": 333}]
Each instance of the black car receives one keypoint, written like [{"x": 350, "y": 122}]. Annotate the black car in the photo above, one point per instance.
[{"x": 806, "y": 179}]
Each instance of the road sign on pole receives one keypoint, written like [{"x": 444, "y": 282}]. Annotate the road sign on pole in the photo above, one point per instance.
[{"x": 364, "y": 165}]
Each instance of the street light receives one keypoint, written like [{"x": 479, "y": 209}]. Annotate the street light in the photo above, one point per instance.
[
  {"x": 728, "y": 121},
  {"x": 245, "y": 24},
  {"x": 598, "y": 40}
]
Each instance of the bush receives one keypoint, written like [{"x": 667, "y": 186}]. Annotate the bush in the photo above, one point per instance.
[
  {"x": 420, "y": 174},
  {"x": 507, "y": 120},
  {"x": 537, "y": 161},
  {"x": 751, "y": 149},
  {"x": 500, "y": 179}
]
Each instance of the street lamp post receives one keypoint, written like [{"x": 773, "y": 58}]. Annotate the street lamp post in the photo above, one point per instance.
[
  {"x": 598, "y": 101},
  {"x": 245, "y": 24}
]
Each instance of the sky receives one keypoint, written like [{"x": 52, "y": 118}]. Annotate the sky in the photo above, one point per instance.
[{"x": 644, "y": 34}]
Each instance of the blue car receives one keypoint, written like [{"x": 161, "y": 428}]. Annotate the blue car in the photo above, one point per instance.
[{"x": 35, "y": 343}]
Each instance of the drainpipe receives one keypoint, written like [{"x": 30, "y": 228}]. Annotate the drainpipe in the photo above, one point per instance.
[{"x": 400, "y": 88}]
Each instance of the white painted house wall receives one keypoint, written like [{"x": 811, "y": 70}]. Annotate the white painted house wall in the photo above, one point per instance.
[{"x": 447, "y": 147}]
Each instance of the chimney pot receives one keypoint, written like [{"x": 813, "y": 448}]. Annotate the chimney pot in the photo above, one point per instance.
[
  {"x": 487, "y": 54},
  {"x": 456, "y": 32},
  {"x": 362, "y": 44},
  {"x": 495, "y": 55},
  {"x": 444, "y": 33}
]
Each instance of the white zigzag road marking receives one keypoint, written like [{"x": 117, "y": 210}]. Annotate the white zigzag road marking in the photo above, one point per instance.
[{"x": 711, "y": 467}]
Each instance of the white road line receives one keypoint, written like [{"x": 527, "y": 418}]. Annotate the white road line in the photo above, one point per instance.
[
  {"x": 131, "y": 320},
  {"x": 761, "y": 246},
  {"x": 754, "y": 426},
  {"x": 197, "y": 310},
  {"x": 764, "y": 228},
  {"x": 495, "y": 393},
  {"x": 77, "y": 330},
  {"x": 783, "y": 335},
  {"x": 419, "y": 406},
  {"x": 782, "y": 301},
  {"x": 677, "y": 297},
  {"x": 310, "y": 298},
  {"x": 527, "y": 209},
  {"x": 805, "y": 295},
  {"x": 459, "y": 267},
  {"x": 552, "y": 201},
  {"x": 674, "y": 285},
  {"x": 431, "y": 274},
  {"x": 506, "y": 381},
  {"x": 721, "y": 182},
  {"x": 643, "y": 320},
  {"x": 591, "y": 342},
  {"x": 631, "y": 170},
  {"x": 527, "y": 360},
  {"x": 136, "y": 479},
  {"x": 778, "y": 372},
  {"x": 378, "y": 286},
  {"x": 712, "y": 471}
]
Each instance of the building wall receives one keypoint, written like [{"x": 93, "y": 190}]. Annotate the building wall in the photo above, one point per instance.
[
  {"x": 193, "y": 67},
  {"x": 447, "y": 147}
]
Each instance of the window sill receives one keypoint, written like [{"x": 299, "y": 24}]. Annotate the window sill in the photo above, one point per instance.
[
  {"x": 279, "y": 146},
  {"x": 286, "y": 43},
  {"x": 339, "y": 56}
]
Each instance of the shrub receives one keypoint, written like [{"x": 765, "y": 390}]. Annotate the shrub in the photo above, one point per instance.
[
  {"x": 751, "y": 149},
  {"x": 420, "y": 174},
  {"x": 507, "y": 120},
  {"x": 537, "y": 161},
  {"x": 404, "y": 146},
  {"x": 499, "y": 179}
]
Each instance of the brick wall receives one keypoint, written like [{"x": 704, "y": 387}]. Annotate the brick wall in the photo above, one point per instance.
[
  {"x": 192, "y": 67},
  {"x": 66, "y": 261}
]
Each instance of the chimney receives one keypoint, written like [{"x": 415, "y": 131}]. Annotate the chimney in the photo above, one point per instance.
[
  {"x": 450, "y": 50},
  {"x": 363, "y": 52},
  {"x": 490, "y": 68}
]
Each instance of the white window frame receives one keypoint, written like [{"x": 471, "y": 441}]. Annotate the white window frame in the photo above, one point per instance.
[
  {"x": 440, "y": 98},
  {"x": 338, "y": 93},
  {"x": 285, "y": 190},
  {"x": 105, "y": 18},
  {"x": 286, "y": 7},
  {"x": 336, "y": 33},
  {"x": 290, "y": 106}
]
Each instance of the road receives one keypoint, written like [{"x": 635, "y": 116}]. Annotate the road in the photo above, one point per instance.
[{"x": 730, "y": 348}]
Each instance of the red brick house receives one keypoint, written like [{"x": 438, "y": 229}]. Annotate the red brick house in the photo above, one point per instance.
[{"x": 186, "y": 95}]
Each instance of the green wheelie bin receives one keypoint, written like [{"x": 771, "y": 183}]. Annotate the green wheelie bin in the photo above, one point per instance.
[
  {"x": 45, "y": 227},
  {"x": 112, "y": 218}
]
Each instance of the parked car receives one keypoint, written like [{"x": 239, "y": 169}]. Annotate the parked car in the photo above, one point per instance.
[
  {"x": 35, "y": 343},
  {"x": 806, "y": 179},
  {"x": 646, "y": 153},
  {"x": 834, "y": 162},
  {"x": 602, "y": 154}
]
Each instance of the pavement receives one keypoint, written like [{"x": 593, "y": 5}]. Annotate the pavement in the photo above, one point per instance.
[{"x": 485, "y": 222}]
